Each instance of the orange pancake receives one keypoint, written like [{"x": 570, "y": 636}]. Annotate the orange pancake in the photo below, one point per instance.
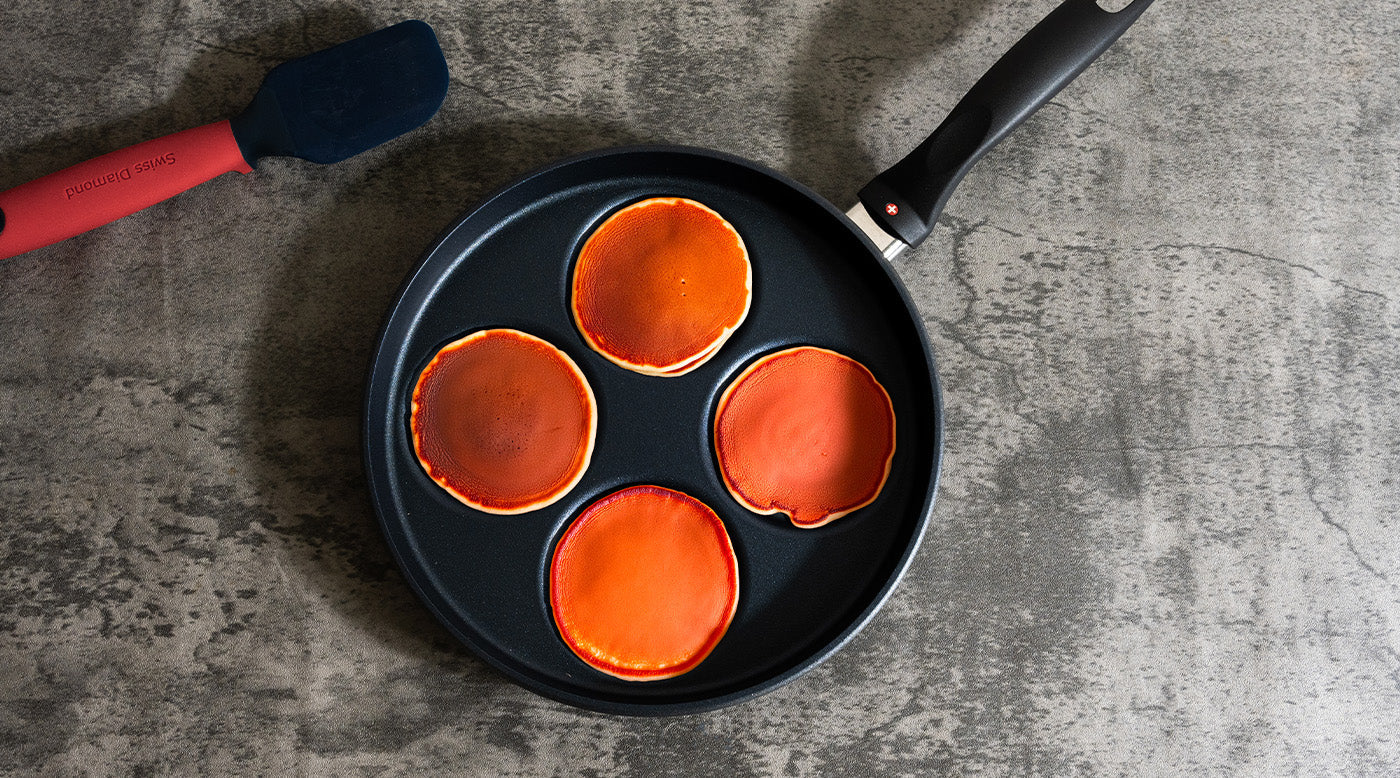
[
  {"x": 504, "y": 421},
  {"x": 807, "y": 432},
  {"x": 644, "y": 583},
  {"x": 660, "y": 285}
]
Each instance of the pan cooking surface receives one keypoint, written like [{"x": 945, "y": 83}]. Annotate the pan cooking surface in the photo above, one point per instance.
[{"x": 802, "y": 593}]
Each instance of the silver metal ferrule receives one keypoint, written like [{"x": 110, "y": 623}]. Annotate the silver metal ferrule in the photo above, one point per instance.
[{"x": 889, "y": 246}]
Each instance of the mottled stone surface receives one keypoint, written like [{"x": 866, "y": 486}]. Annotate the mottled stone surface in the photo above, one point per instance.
[{"x": 1165, "y": 312}]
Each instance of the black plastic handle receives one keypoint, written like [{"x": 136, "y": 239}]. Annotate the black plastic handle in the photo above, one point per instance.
[{"x": 907, "y": 199}]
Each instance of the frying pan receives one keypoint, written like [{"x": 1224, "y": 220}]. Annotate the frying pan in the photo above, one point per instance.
[{"x": 821, "y": 278}]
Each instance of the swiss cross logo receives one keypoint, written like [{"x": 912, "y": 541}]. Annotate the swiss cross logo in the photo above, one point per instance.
[{"x": 891, "y": 209}]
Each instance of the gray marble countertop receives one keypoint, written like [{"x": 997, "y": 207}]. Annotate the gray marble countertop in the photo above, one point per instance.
[{"x": 1165, "y": 313}]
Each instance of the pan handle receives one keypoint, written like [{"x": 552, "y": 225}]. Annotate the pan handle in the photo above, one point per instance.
[{"x": 906, "y": 200}]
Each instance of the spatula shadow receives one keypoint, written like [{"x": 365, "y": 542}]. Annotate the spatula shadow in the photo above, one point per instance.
[{"x": 218, "y": 84}]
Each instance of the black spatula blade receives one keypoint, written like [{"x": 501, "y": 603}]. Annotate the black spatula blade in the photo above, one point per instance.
[{"x": 336, "y": 103}]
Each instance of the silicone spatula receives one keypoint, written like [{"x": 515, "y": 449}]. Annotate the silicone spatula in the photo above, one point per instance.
[{"x": 323, "y": 107}]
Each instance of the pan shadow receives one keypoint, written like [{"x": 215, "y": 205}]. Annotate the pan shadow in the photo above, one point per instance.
[
  {"x": 311, "y": 356},
  {"x": 846, "y": 82}
]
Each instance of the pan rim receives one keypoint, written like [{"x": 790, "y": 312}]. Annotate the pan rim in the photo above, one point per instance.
[{"x": 385, "y": 364}]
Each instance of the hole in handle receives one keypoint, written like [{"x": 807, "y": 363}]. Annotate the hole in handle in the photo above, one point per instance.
[{"x": 1114, "y": 6}]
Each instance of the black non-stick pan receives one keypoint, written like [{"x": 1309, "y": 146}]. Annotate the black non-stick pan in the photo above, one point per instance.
[{"x": 820, "y": 278}]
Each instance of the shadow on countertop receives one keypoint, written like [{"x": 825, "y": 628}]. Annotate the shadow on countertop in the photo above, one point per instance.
[
  {"x": 842, "y": 82},
  {"x": 334, "y": 287},
  {"x": 218, "y": 83}
]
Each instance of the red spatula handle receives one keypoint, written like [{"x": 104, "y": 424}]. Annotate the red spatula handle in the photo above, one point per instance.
[{"x": 93, "y": 193}]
